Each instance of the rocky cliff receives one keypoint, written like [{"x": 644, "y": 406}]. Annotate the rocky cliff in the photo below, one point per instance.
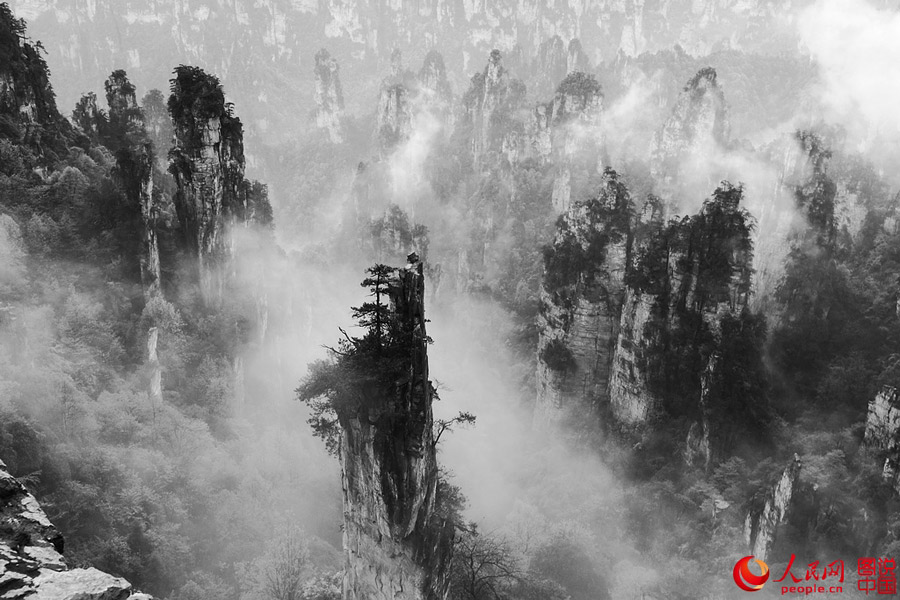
[
  {"x": 32, "y": 566},
  {"x": 581, "y": 301},
  {"x": 393, "y": 116},
  {"x": 394, "y": 237},
  {"x": 883, "y": 432},
  {"x": 208, "y": 165},
  {"x": 488, "y": 105},
  {"x": 433, "y": 75},
  {"x": 631, "y": 402},
  {"x": 27, "y": 100},
  {"x": 762, "y": 522},
  {"x": 125, "y": 133},
  {"x": 687, "y": 346},
  {"x": 696, "y": 130},
  {"x": 576, "y": 140},
  {"x": 396, "y": 547},
  {"x": 329, "y": 96}
]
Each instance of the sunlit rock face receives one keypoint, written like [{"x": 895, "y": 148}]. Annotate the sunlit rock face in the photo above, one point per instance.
[
  {"x": 329, "y": 96},
  {"x": 883, "y": 431},
  {"x": 695, "y": 130},
  {"x": 761, "y": 523},
  {"x": 31, "y": 564},
  {"x": 581, "y": 301},
  {"x": 208, "y": 165},
  {"x": 396, "y": 547}
]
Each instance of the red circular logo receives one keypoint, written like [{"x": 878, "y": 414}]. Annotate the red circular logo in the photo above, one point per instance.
[{"x": 746, "y": 580}]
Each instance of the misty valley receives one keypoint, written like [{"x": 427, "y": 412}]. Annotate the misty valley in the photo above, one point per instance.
[{"x": 449, "y": 300}]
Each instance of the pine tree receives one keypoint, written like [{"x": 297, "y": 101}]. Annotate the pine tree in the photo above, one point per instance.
[{"x": 375, "y": 316}]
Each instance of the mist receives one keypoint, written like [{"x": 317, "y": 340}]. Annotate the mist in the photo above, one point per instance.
[{"x": 201, "y": 490}]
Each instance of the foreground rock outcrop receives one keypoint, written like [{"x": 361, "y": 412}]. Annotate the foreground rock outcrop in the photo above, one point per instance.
[
  {"x": 31, "y": 562},
  {"x": 396, "y": 546}
]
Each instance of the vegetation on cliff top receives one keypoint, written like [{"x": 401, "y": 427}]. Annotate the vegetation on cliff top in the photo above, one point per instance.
[{"x": 577, "y": 256}]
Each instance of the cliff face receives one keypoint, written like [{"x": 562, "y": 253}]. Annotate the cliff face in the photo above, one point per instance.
[
  {"x": 124, "y": 113},
  {"x": 394, "y": 237},
  {"x": 697, "y": 126},
  {"x": 31, "y": 564},
  {"x": 640, "y": 319},
  {"x": 550, "y": 66},
  {"x": 434, "y": 92},
  {"x": 125, "y": 133},
  {"x": 395, "y": 549},
  {"x": 493, "y": 96},
  {"x": 433, "y": 77},
  {"x": 581, "y": 300},
  {"x": 329, "y": 96},
  {"x": 393, "y": 117},
  {"x": 208, "y": 165},
  {"x": 27, "y": 100},
  {"x": 574, "y": 119},
  {"x": 762, "y": 523},
  {"x": 685, "y": 333},
  {"x": 631, "y": 401},
  {"x": 883, "y": 431}
]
